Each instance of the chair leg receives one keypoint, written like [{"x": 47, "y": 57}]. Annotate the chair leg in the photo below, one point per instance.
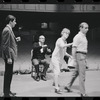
[{"x": 32, "y": 72}]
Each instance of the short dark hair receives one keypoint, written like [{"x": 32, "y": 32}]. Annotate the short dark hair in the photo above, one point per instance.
[
  {"x": 10, "y": 18},
  {"x": 82, "y": 24}
]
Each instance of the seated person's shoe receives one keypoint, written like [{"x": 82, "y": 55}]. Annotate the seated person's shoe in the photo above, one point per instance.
[
  {"x": 43, "y": 78},
  {"x": 11, "y": 93},
  {"x": 37, "y": 78},
  {"x": 58, "y": 91},
  {"x": 68, "y": 90}
]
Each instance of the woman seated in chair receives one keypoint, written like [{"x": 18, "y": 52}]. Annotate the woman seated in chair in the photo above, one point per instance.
[{"x": 39, "y": 51}]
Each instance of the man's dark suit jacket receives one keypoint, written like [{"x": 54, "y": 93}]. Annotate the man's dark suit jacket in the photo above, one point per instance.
[
  {"x": 36, "y": 51},
  {"x": 8, "y": 44}
]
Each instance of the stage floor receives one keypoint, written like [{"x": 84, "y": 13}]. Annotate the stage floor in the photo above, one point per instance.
[{"x": 26, "y": 86}]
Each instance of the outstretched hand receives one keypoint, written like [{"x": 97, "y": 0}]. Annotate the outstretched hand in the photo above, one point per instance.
[
  {"x": 18, "y": 39},
  {"x": 44, "y": 46},
  {"x": 69, "y": 44}
]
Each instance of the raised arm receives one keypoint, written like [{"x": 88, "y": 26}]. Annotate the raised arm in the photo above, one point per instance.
[{"x": 36, "y": 46}]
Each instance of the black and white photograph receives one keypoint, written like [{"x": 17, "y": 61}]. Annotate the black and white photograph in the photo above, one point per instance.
[{"x": 49, "y": 50}]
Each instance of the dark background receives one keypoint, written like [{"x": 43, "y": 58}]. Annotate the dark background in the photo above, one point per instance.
[
  {"x": 31, "y": 26},
  {"x": 30, "y": 23}
]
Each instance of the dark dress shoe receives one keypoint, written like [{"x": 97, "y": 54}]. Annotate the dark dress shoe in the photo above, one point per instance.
[
  {"x": 68, "y": 90},
  {"x": 37, "y": 78},
  {"x": 54, "y": 84},
  {"x": 84, "y": 95},
  {"x": 6, "y": 95},
  {"x": 43, "y": 78},
  {"x": 58, "y": 91},
  {"x": 11, "y": 93}
]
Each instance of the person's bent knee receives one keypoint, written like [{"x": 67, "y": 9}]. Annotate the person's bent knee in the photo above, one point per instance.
[
  {"x": 35, "y": 62},
  {"x": 47, "y": 65}
]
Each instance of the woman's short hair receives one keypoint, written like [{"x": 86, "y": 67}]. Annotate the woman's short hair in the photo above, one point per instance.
[{"x": 65, "y": 30}]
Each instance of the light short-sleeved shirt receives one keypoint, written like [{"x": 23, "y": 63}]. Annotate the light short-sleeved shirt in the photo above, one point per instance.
[
  {"x": 80, "y": 41},
  {"x": 59, "y": 51}
]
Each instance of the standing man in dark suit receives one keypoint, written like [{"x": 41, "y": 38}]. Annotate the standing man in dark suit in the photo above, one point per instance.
[
  {"x": 9, "y": 52},
  {"x": 39, "y": 51}
]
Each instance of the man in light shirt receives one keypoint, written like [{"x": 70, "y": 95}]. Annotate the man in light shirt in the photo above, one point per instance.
[
  {"x": 58, "y": 56},
  {"x": 79, "y": 51}
]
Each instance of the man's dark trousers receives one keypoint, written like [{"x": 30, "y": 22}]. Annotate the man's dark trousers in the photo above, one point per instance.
[{"x": 8, "y": 77}]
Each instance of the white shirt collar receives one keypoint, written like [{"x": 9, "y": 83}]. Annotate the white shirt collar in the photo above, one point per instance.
[{"x": 82, "y": 33}]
